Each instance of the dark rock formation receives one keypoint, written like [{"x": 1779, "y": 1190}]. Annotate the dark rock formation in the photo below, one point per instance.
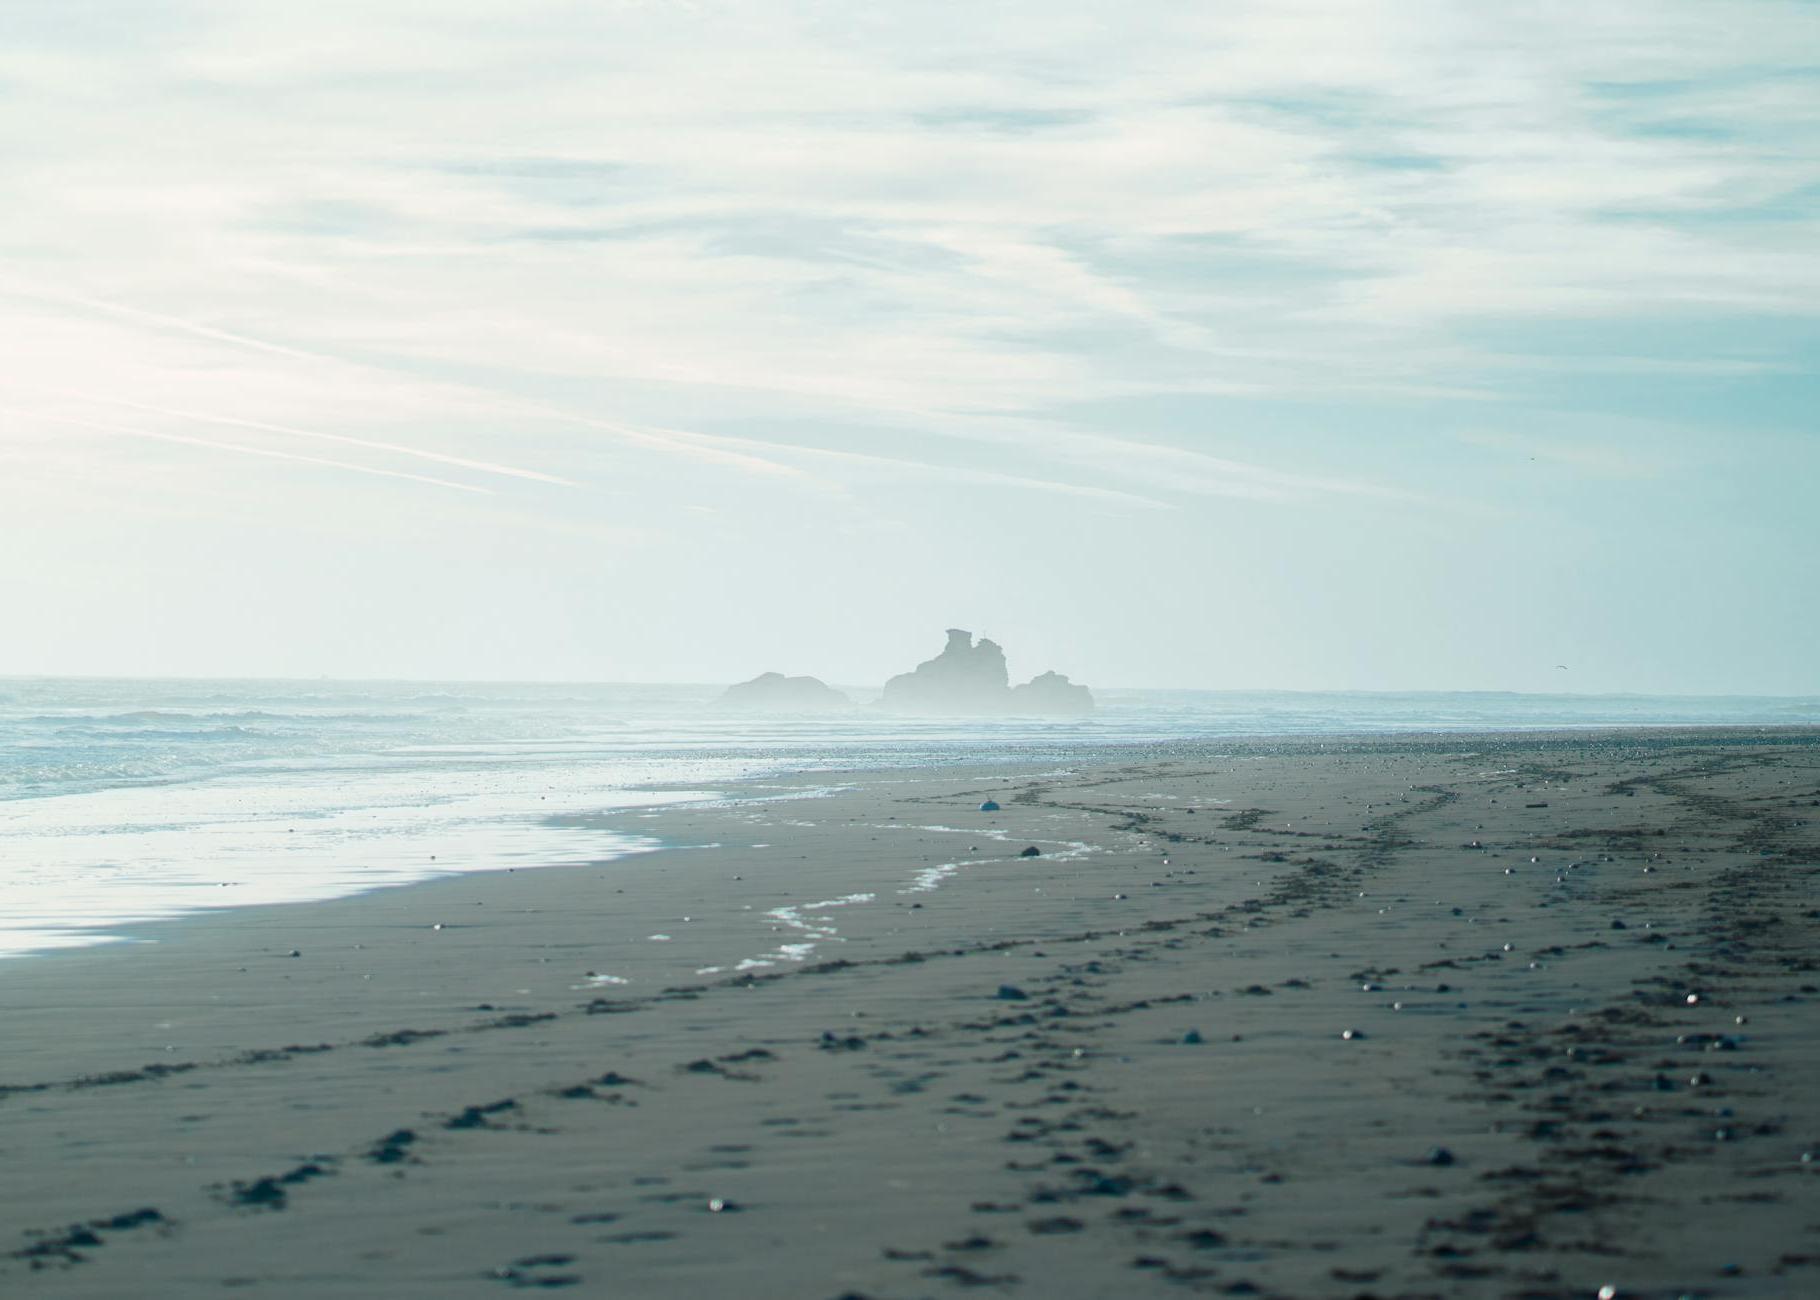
[
  {"x": 963, "y": 678},
  {"x": 970, "y": 677},
  {"x": 775, "y": 693},
  {"x": 1051, "y": 693}
]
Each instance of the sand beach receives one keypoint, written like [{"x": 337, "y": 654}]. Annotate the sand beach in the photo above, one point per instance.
[{"x": 1432, "y": 1016}]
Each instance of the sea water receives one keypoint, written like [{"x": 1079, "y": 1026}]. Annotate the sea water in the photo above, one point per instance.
[{"x": 128, "y": 801}]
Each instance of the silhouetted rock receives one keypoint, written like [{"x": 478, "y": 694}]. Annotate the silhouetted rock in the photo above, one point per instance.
[
  {"x": 775, "y": 693},
  {"x": 1051, "y": 693},
  {"x": 970, "y": 677},
  {"x": 963, "y": 678}
]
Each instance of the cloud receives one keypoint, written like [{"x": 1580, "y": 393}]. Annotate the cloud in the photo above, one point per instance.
[
  {"x": 663, "y": 223},
  {"x": 418, "y": 453},
  {"x": 267, "y": 452}
]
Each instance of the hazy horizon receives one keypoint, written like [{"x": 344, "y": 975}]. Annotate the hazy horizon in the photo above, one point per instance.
[
  {"x": 1280, "y": 347},
  {"x": 867, "y": 688}
]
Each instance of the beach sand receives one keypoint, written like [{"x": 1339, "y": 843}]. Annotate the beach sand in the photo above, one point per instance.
[{"x": 1444, "y": 1016}]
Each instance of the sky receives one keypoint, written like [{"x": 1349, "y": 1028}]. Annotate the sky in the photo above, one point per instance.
[{"x": 1242, "y": 345}]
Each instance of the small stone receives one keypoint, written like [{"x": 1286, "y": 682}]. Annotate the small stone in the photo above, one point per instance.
[
  {"x": 1192, "y": 1038},
  {"x": 1441, "y": 1156},
  {"x": 1011, "y": 993},
  {"x": 1031, "y": 851}
]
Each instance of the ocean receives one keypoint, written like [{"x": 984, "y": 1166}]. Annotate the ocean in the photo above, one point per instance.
[{"x": 124, "y": 801}]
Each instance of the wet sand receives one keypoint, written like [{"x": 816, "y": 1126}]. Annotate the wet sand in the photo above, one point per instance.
[{"x": 1453, "y": 1016}]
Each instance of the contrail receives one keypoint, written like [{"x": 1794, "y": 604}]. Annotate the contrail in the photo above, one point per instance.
[
  {"x": 745, "y": 453},
  {"x": 706, "y": 446},
  {"x": 482, "y": 466},
  {"x": 697, "y": 445},
  {"x": 725, "y": 446},
  {"x": 168, "y": 322},
  {"x": 263, "y": 451},
  {"x": 958, "y": 472}
]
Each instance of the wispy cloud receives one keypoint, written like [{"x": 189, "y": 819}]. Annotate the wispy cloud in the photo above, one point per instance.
[
  {"x": 159, "y": 320},
  {"x": 266, "y": 452},
  {"x": 710, "y": 214},
  {"x": 682, "y": 302},
  {"x": 368, "y": 444}
]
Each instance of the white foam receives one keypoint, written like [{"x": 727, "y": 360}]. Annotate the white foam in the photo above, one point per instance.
[
  {"x": 592, "y": 980},
  {"x": 928, "y": 879},
  {"x": 816, "y": 930}
]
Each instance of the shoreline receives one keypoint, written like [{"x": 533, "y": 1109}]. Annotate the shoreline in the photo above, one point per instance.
[
  {"x": 174, "y": 858},
  {"x": 1149, "y": 1106},
  {"x": 613, "y": 820}
]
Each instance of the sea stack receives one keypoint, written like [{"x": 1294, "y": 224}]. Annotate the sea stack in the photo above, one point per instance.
[
  {"x": 963, "y": 678},
  {"x": 970, "y": 677},
  {"x": 1051, "y": 693},
  {"x": 776, "y": 693}
]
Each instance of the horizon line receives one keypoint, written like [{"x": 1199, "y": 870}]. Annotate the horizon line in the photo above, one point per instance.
[{"x": 709, "y": 685}]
